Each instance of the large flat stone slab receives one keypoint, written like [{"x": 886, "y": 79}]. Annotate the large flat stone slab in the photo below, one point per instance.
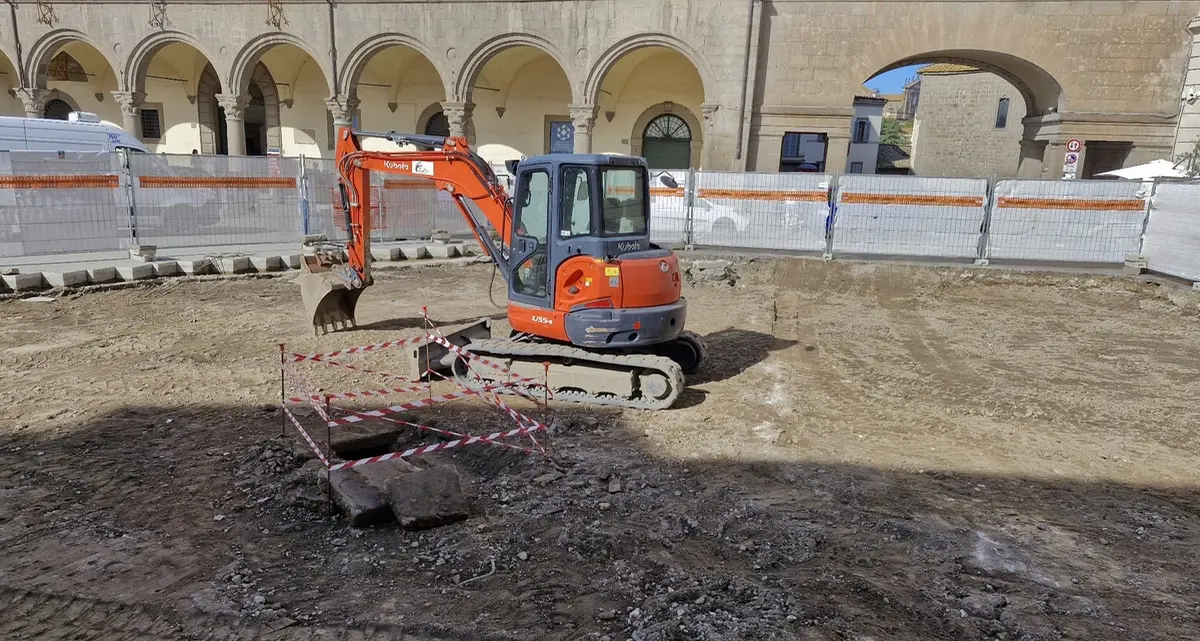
[
  {"x": 267, "y": 263},
  {"x": 198, "y": 267},
  {"x": 428, "y": 498},
  {"x": 439, "y": 250},
  {"x": 238, "y": 265},
  {"x": 413, "y": 252},
  {"x": 136, "y": 272},
  {"x": 385, "y": 253},
  {"x": 102, "y": 275},
  {"x": 167, "y": 268},
  {"x": 359, "y": 440}
]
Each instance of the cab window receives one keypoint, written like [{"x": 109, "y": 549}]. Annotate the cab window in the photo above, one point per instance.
[
  {"x": 576, "y": 203},
  {"x": 624, "y": 205}
]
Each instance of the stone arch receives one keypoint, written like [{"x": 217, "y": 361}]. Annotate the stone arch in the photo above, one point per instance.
[
  {"x": 244, "y": 63},
  {"x": 48, "y": 45},
  {"x": 265, "y": 82},
  {"x": 209, "y": 114},
  {"x": 595, "y": 78},
  {"x": 434, "y": 110},
  {"x": 357, "y": 61},
  {"x": 56, "y": 98},
  {"x": 133, "y": 78},
  {"x": 664, "y": 108},
  {"x": 1040, "y": 90},
  {"x": 486, "y": 50}
]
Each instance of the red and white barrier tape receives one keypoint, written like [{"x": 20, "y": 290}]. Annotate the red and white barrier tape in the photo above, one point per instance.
[
  {"x": 307, "y": 438},
  {"x": 429, "y": 428},
  {"x": 295, "y": 358},
  {"x": 426, "y": 449},
  {"x": 347, "y": 396},
  {"x": 359, "y": 417}
]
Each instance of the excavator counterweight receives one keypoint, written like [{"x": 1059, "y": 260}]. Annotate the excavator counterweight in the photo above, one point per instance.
[{"x": 588, "y": 293}]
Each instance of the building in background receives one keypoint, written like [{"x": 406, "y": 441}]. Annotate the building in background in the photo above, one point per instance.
[
  {"x": 968, "y": 123},
  {"x": 865, "y": 131}
]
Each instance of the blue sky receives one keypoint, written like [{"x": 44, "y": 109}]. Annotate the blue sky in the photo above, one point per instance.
[{"x": 892, "y": 81}]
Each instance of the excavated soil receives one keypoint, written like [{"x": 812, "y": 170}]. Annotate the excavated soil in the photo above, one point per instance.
[{"x": 872, "y": 452}]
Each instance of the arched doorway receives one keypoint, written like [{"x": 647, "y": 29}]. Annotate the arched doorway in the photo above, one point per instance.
[
  {"x": 256, "y": 122},
  {"x": 437, "y": 125},
  {"x": 57, "y": 109},
  {"x": 667, "y": 143}
]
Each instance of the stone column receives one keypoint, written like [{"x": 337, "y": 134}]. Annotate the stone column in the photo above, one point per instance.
[
  {"x": 235, "y": 125},
  {"x": 1052, "y": 161},
  {"x": 583, "y": 117},
  {"x": 1030, "y": 163},
  {"x": 836, "y": 149},
  {"x": 130, "y": 103},
  {"x": 708, "y": 111},
  {"x": 458, "y": 115},
  {"x": 343, "y": 108},
  {"x": 34, "y": 101}
]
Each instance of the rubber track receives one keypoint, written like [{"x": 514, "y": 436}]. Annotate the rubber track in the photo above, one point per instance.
[{"x": 537, "y": 352}]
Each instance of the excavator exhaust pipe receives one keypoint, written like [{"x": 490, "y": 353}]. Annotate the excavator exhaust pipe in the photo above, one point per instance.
[{"x": 330, "y": 294}]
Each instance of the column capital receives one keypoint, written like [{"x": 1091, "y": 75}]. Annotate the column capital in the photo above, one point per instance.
[
  {"x": 343, "y": 109},
  {"x": 458, "y": 114},
  {"x": 583, "y": 117},
  {"x": 234, "y": 105},
  {"x": 129, "y": 101},
  {"x": 709, "y": 111},
  {"x": 32, "y": 99}
]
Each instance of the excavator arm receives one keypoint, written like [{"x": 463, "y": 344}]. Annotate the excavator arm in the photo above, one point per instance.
[{"x": 448, "y": 162}]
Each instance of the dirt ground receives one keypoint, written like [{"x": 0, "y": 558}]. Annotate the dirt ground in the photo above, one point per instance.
[{"x": 872, "y": 452}]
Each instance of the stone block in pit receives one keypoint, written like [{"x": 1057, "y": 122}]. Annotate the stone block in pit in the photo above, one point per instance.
[
  {"x": 198, "y": 267},
  {"x": 359, "y": 440},
  {"x": 167, "y": 268},
  {"x": 293, "y": 260},
  {"x": 361, "y": 492},
  {"x": 385, "y": 253},
  {"x": 412, "y": 252},
  {"x": 76, "y": 278},
  {"x": 238, "y": 265},
  {"x": 428, "y": 498}
]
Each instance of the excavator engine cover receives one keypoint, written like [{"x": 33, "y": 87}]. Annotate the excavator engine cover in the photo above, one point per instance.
[{"x": 330, "y": 294}]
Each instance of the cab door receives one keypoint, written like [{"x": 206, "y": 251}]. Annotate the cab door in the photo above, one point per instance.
[{"x": 529, "y": 255}]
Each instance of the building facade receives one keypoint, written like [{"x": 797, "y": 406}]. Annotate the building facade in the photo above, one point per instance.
[
  {"x": 968, "y": 123},
  {"x": 698, "y": 82},
  {"x": 865, "y": 131}
]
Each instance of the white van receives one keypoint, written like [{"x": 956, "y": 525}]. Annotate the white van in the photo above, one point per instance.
[{"x": 83, "y": 131}]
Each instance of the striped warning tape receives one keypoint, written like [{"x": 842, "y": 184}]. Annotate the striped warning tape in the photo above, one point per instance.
[
  {"x": 430, "y": 428},
  {"x": 426, "y": 449},
  {"x": 307, "y": 438},
  {"x": 347, "y": 396},
  {"x": 296, "y": 358},
  {"x": 359, "y": 417}
]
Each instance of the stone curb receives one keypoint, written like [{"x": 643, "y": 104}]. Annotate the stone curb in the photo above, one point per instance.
[{"x": 273, "y": 264}]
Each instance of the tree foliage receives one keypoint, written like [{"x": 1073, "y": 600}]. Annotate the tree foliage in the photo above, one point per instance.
[
  {"x": 1190, "y": 161},
  {"x": 892, "y": 133}
]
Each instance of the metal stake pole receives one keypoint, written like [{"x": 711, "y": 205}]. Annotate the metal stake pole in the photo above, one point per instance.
[{"x": 282, "y": 395}]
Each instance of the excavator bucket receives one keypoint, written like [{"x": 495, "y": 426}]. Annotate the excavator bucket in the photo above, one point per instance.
[{"x": 330, "y": 294}]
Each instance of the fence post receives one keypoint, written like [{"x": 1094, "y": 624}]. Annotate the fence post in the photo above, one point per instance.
[
  {"x": 689, "y": 196},
  {"x": 131, "y": 194},
  {"x": 985, "y": 228},
  {"x": 831, "y": 214},
  {"x": 303, "y": 183}
]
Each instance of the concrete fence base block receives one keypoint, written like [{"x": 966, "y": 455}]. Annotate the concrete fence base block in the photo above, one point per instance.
[
  {"x": 136, "y": 272},
  {"x": 102, "y": 275},
  {"x": 385, "y": 253},
  {"x": 982, "y": 262},
  {"x": 412, "y": 252},
  {"x": 293, "y": 261},
  {"x": 198, "y": 267},
  {"x": 239, "y": 265},
  {"x": 76, "y": 278},
  {"x": 438, "y": 250},
  {"x": 267, "y": 263},
  {"x": 24, "y": 282},
  {"x": 167, "y": 268}
]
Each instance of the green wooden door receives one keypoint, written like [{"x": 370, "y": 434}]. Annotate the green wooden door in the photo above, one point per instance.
[{"x": 667, "y": 143}]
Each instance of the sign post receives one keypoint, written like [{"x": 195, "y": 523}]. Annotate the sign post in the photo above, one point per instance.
[{"x": 1071, "y": 160}]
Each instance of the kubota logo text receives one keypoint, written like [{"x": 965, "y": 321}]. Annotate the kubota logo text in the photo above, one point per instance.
[
  {"x": 392, "y": 164},
  {"x": 628, "y": 247}
]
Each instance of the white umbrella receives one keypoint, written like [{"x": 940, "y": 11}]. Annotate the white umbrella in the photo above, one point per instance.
[{"x": 1153, "y": 169}]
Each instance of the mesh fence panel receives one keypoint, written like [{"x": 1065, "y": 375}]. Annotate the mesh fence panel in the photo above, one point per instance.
[
  {"x": 761, "y": 210},
  {"x": 909, "y": 216},
  {"x": 1085, "y": 221},
  {"x": 54, "y": 203},
  {"x": 194, "y": 200},
  {"x": 1172, "y": 242},
  {"x": 669, "y": 207}
]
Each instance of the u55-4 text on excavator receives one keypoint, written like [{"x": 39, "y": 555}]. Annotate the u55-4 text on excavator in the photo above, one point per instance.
[{"x": 588, "y": 293}]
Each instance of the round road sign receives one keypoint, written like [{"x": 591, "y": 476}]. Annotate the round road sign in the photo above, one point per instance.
[
  {"x": 1074, "y": 145},
  {"x": 1072, "y": 159}
]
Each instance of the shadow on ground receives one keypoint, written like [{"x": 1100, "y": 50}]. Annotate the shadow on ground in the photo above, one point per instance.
[{"x": 202, "y": 511}]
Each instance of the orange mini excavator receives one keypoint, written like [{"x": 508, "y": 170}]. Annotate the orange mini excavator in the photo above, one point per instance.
[{"x": 588, "y": 293}]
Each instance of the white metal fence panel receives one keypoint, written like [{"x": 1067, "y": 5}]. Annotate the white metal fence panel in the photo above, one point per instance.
[
  {"x": 909, "y": 216},
  {"x": 61, "y": 202},
  {"x": 761, "y": 210},
  {"x": 1172, "y": 241},
  {"x": 1080, "y": 221},
  {"x": 194, "y": 200},
  {"x": 669, "y": 207}
]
